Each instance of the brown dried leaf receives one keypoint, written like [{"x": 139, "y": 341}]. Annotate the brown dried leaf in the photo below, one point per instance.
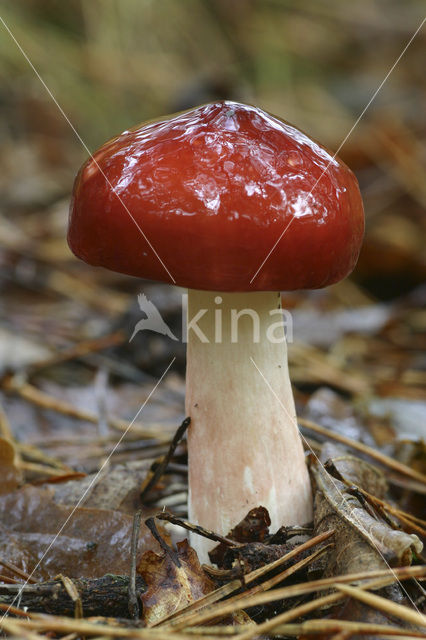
[
  {"x": 171, "y": 587},
  {"x": 362, "y": 539},
  {"x": 254, "y": 527},
  {"x": 94, "y": 542}
]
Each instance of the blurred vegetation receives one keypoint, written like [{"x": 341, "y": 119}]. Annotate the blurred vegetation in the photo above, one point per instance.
[{"x": 110, "y": 64}]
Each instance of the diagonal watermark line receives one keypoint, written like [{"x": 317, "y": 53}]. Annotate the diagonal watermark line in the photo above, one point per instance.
[
  {"x": 355, "y": 517},
  {"x": 80, "y": 139},
  {"x": 357, "y": 121},
  {"x": 88, "y": 488}
]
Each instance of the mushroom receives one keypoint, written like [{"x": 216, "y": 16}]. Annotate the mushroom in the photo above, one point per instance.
[{"x": 237, "y": 205}]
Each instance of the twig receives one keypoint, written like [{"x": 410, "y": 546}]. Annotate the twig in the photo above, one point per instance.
[
  {"x": 302, "y": 610},
  {"x": 45, "y": 401},
  {"x": 15, "y": 628},
  {"x": 31, "y": 453},
  {"x": 77, "y": 351},
  {"x": 406, "y": 518},
  {"x": 325, "y": 626},
  {"x": 296, "y": 612},
  {"x": 384, "y": 577},
  {"x": 150, "y": 523},
  {"x": 388, "y": 606},
  {"x": 283, "y": 575},
  {"x": 153, "y": 478},
  {"x": 59, "y": 624},
  {"x": 73, "y": 593},
  {"x": 258, "y": 573},
  {"x": 6, "y": 432},
  {"x": 107, "y": 595},
  {"x": 8, "y": 579},
  {"x": 179, "y": 624},
  {"x": 196, "y": 528},
  {"x": 311, "y": 627},
  {"x": 16, "y": 570},
  {"x": 233, "y": 586},
  {"x": 134, "y": 608},
  {"x": 22, "y": 627},
  {"x": 51, "y": 476},
  {"x": 369, "y": 451},
  {"x": 268, "y": 584}
]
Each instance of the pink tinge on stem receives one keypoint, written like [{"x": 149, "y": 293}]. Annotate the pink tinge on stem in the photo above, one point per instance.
[{"x": 243, "y": 442}]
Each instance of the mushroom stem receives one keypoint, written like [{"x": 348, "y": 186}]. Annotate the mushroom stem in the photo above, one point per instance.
[{"x": 244, "y": 445}]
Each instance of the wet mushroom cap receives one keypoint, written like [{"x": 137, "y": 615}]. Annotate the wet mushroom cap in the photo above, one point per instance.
[{"x": 212, "y": 189}]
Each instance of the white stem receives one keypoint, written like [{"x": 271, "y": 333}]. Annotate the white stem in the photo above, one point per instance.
[{"x": 243, "y": 442}]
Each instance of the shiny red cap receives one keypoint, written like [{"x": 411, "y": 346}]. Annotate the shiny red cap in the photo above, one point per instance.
[{"x": 203, "y": 197}]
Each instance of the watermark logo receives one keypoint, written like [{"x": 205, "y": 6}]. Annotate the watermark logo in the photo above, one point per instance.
[
  {"x": 153, "y": 321},
  {"x": 279, "y": 329}
]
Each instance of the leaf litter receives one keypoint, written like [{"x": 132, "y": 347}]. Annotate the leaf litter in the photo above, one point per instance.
[{"x": 368, "y": 516}]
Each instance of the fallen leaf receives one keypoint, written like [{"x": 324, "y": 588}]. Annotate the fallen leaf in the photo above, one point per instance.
[
  {"x": 171, "y": 583},
  {"x": 118, "y": 489},
  {"x": 362, "y": 540},
  {"x": 254, "y": 527},
  {"x": 93, "y": 542}
]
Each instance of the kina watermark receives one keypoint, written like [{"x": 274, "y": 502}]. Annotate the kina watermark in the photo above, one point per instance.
[{"x": 279, "y": 329}]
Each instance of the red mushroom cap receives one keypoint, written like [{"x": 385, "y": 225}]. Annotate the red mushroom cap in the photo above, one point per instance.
[{"x": 212, "y": 190}]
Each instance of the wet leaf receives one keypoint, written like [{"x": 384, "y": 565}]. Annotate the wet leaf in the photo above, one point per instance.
[
  {"x": 118, "y": 489},
  {"x": 93, "y": 542},
  {"x": 171, "y": 585}
]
